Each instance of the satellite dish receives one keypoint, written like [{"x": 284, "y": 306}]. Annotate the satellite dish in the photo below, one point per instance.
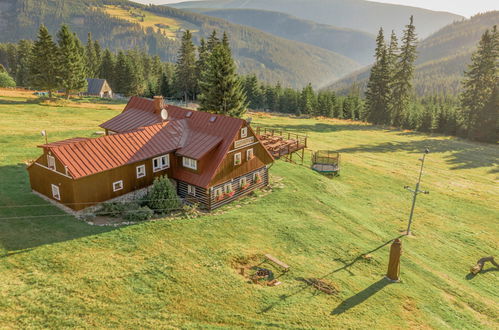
[{"x": 164, "y": 114}]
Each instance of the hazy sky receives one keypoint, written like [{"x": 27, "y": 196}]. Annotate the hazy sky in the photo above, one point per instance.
[{"x": 463, "y": 7}]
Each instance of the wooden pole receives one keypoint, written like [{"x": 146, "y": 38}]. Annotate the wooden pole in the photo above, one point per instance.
[{"x": 393, "y": 273}]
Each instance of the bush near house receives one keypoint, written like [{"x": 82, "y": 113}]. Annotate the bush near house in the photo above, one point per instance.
[{"x": 162, "y": 197}]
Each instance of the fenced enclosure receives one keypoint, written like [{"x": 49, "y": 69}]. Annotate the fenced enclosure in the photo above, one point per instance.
[{"x": 326, "y": 161}]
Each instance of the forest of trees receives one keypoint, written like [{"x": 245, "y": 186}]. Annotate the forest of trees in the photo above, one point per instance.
[
  {"x": 207, "y": 75},
  {"x": 391, "y": 99}
]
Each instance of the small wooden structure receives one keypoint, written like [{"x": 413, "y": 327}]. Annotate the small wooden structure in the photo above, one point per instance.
[
  {"x": 326, "y": 161},
  {"x": 98, "y": 87},
  {"x": 282, "y": 144},
  {"x": 393, "y": 273},
  {"x": 278, "y": 262}
]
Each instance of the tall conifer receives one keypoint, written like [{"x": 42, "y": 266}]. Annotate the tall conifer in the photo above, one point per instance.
[
  {"x": 221, "y": 88},
  {"x": 185, "y": 75},
  {"x": 72, "y": 62},
  {"x": 479, "y": 97},
  {"x": 44, "y": 63},
  {"x": 402, "y": 80}
]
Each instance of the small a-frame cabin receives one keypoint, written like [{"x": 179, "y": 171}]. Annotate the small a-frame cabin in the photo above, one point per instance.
[
  {"x": 98, "y": 87},
  {"x": 212, "y": 159}
]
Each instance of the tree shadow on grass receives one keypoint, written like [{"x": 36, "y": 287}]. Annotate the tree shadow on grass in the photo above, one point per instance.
[
  {"x": 360, "y": 297},
  {"x": 27, "y": 221},
  {"x": 11, "y": 102},
  {"x": 463, "y": 154}
]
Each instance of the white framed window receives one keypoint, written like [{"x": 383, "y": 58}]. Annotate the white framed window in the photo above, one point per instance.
[
  {"x": 51, "y": 162},
  {"x": 190, "y": 163},
  {"x": 244, "y": 132},
  {"x": 257, "y": 176},
  {"x": 218, "y": 193},
  {"x": 237, "y": 159},
  {"x": 250, "y": 154},
  {"x": 191, "y": 190},
  {"x": 55, "y": 192},
  {"x": 160, "y": 163},
  {"x": 228, "y": 188},
  {"x": 243, "y": 182},
  {"x": 141, "y": 171},
  {"x": 118, "y": 185}
]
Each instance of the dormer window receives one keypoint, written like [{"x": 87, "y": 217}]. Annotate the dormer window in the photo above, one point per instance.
[
  {"x": 244, "y": 132},
  {"x": 190, "y": 163}
]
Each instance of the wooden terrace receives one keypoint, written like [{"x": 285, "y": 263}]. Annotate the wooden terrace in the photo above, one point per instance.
[{"x": 281, "y": 143}]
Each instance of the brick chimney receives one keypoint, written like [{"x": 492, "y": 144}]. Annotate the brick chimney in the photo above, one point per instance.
[{"x": 158, "y": 104}]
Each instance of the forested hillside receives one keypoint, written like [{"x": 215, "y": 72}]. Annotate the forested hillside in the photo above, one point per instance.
[
  {"x": 271, "y": 58},
  {"x": 353, "y": 44},
  {"x": 353, "y": 14},
  {"x": 442, "y": 57}
]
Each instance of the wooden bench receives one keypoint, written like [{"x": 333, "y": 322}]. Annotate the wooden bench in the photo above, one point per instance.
[{"x": 277, "y": 262}]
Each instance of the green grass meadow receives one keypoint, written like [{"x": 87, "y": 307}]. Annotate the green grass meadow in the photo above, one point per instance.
[{"x": 58, "y": 272}]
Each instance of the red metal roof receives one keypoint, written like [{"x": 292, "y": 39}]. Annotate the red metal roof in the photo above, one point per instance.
[
  {"x": 142, "y": 135},
  {"x": 91, "y": 156}
]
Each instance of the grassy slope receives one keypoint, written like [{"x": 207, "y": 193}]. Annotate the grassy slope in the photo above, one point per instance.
[{"x": 58, "y": 272}]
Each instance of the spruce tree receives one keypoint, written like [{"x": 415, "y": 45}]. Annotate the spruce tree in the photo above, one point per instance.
[
  {"x": 202, "y": 62},
  {"x": 44, "y": 63},
  {"x": 72, "y": 61},
  {"x": 221, "y": 88},
  {"x": 402, "y": 80},
  {"x": 252, "y": 91},
  {"x": 377, "y": 92},
  {"x": 91, "y": 58},
  {"x": 479, "y": 97},
  {"x": 107, "y": 69},
  {"x": 308, "y": 100},
  {"x": 213, "y": 41},
  {"x": 22, "y": 74},
  {"x": 185, "y": 75}
]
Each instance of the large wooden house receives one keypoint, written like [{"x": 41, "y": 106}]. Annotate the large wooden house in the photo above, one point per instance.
[{"x": 212, "y": 159}]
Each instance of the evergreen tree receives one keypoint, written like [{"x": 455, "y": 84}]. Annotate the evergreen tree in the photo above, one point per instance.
[
  {"x": 479, "y": 96},
  {"x": 5, "y": 79},
  {"x": 98, "y": 57},
  {"x": 120, "y": 73},
  {"x": 252, "y": 90},
  {"x": 221, "y": 88},
  {"x": 44, "y": 63},
  {"x": 393, "y": 53},
  {"x": 213, "y": 41},
  {"x": 402, "y": 80},
  {"x": 71, "y": 60},
  {"x": 91, "y": 58},
  {"x": 202, "y": 62},
  {"x": 308, "y": 100},
  {"x": 325, "y": 106},
  {"x": 378, "y": 87},
  {"x": 107, "y": 69},
  {"x": 22, "y": 74},
  {"x": 185, "y": 75},
  {"x": 165, "y": 86}
]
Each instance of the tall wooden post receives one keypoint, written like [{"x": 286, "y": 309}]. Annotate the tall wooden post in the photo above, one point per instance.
[{"x": 393, "y": 273}]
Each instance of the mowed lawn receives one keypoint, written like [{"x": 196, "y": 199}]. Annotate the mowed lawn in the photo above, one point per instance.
[{"x": 59, "y": 272}]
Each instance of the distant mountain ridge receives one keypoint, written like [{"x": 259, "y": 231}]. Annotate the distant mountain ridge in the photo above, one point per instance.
[
  {"x": 353, "y": 44},
  {"x": 354, "y": 14},
  {"x": 121, "y": 24},
  {"x": 442, "y": 57}
]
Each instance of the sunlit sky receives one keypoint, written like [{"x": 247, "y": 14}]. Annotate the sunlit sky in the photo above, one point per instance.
[{"x": 462, "y": 7}]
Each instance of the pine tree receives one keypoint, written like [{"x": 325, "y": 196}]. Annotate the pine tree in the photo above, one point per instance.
[
  {"x": 90, "y": 58},
  {"x": 479, "y": 96},
  {"x": 393, "y": 52},
  {"x": 308, "y": 100},
  {"x": 121, "y": 72},
  {"x": 402, "y": 80},
  {"x": 213, "y": 41},
  {"x": 22, "y": 74},
  {"x": 107, "y": 69},
  {"x": 72, "y": 61},
  {"x": 44, "y": 63},
  {"x": 98, "y": 56},
  {"x": 252, "y": 91},
  {"x": 185, "y": 75},
  {"x": 221, "y": 88},
  {"x": 202, "y": 62}
]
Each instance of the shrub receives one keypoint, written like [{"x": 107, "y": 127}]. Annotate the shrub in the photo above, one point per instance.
[
  {"x": 116, "y": 209},
  {"x": 162, "y": 197},
  {"x": 6, "y": 80},
  {"x": 139, "y": 214}
]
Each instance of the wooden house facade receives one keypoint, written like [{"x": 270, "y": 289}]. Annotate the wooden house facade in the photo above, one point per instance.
[{"x": 212, "y": 159}]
